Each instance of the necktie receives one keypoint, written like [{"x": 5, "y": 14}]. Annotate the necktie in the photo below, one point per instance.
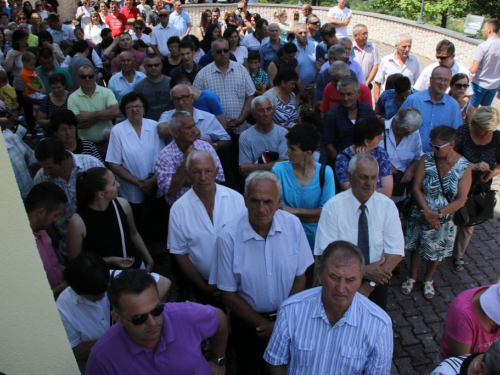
[{"x": 363, "y": 235}]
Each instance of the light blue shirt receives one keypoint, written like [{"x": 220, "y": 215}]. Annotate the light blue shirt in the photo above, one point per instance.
[
  {"x": 261, "y": 271},
  {"x": 306, "y": 58},
  {"x": 360, "y": 342},
  {"x": 268, "y": 54},
  {"x": 409, "y": 149},
  {"x": 353, "y": 65},
  {"x": 121, "y": 87},
  {"x": 444, "y": 112},
  {"x": 180, "y": 21},
  {"x": 66, "y": 33}
]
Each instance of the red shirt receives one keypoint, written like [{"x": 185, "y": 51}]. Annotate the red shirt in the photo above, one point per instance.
[
  {"x": 130, "y": 13},
  {"x": 116, "y": 24},
  {"x": 331, "y": 97}
]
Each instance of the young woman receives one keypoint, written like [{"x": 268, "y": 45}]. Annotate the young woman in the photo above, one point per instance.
[{"x": 458, "y": 87}]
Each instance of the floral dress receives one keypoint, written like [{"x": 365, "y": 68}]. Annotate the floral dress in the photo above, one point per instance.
[{"x": 435, "y": 244}]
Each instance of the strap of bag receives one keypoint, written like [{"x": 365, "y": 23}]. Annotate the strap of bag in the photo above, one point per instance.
[
  {"x": 322, "y": 176},
  {"x": 385, "y": 139},
  {"x": 111, "y": 320},
  {"x": 440, "y": 179},
  {"x": 348, "y": 157},
  {"x": 121, "y": 230}
]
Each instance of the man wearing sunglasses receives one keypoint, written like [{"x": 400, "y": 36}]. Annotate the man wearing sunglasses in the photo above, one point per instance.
[
  {"x": 244, "y": 16},
  {"x": 445, "y": 56},
  {"x": 313, "y": 24},
  {"x": 161, "y": 34},
  {"x": 154, "y": 338}
]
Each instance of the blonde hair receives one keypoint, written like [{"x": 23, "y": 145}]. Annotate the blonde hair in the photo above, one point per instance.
[
  {"x": 485, "y": 118},
  {"x": 278, "y": 13},
  {"x": 92, "y": 14}
]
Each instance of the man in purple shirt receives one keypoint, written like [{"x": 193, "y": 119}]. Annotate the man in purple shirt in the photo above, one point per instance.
[{"x": 154, "y": 338}]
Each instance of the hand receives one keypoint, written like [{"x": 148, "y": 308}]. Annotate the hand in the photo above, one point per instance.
[
  {"x": 245, "y": 169},
  {"x": 435, "y": 224},
  {"x": 120, "y": 262},
  {"x": 409, "y": 174},
  {"x": 84, "y": 116},
  {"x": 482, "y": 166},
  {"x": 187, "y": 152},
  {"x": 430, "y": 215},
  {"x": 216, "y": 369},
  {"x": 359, "y": 150},
  {"x": 375, "y": 272},
  {"x": 147, "y": 186},
  {"x": 486, "y": 177},
  {"x": 393, "y": 169},
  {"x": 233, "y": 123},
  {"x": 319, "y": 64},
  {"x": 286, "y": 208},
  {"x": 265, "y": 331},
  {"x": 258, "y": 86}
]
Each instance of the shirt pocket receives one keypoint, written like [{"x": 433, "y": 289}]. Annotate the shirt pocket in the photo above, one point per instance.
[
  {"x": 302, "y": 352},
  {"x": 288, "y": 266},
  {"x": 404, "y": 158},
  {"x": 352, "y": 360}
]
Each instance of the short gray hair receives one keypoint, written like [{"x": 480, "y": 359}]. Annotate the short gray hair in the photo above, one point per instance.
[
  {"x": 339, "y": 67},
  {"x": 262, "y": 175},
  {"x": 347, "y": 81},
  {"x": 337, "y": 49},
  {"x": 175, "y": 121},
  {"x": 218, "y": 40},
  {"x": 272, "y": 24},
  {"x": 403, "y": 36},
  {"x": 199, "y": 154},
  {"x": 355, "y": 29},
  {"x": 299, "y": 25},
  {"x": 259, "y": 100},
  {"x": 360, "y": 158},
  {"x": 346, "y": 252},
  {"x": 491, "y": 359},
  {"x": 181, "y": 84},
  {"x": 345, "y": 39},
  {"x": 409, "y": 118}
]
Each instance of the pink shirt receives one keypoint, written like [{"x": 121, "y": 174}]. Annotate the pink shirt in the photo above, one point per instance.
[
  {"x": 463, "y": 325},
  {"x": 49, "y": 258}
]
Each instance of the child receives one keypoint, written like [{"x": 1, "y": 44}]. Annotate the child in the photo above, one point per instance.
[
  {"x": 258, "y": 76},
  {"x": 7, "y": 92},
  {"x": 33, "y": 85}
]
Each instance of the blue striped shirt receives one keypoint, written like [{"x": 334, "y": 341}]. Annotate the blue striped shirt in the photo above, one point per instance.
[{"x": 359, "y": 343}]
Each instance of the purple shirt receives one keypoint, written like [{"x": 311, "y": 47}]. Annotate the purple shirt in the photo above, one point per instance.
[
  {"x": 49, "y": 258},
  {"x": 178, "y": 352}
]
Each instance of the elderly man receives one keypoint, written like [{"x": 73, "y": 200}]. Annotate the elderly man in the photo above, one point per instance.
[
  {"x": 61, "y": 167},
  {"x": 403, "y": 144},
  {"x": 261, "y": 259},
  {"x": 313, "y": 24},
  {"x": 398, "y": 62},
  {"x": 445, "y": 54},
  {"x": 125, "y": 80},
  {"x": 196, "y": 219},
  {"x": 338, "y": 122},
  {"x": 363, "y": 216},
  {"x": 306, "y": 10},
  {"x": 268, "y": 50},
  {"x": 162, "y": 33},
  {"x": 125, "y": 42},
  {"x": 151, "y": 336},
  {"x": 340, "y": 329},
  {"x": 115, "y": 20},
  {"x": 340, "y": 16},
  {"x": 306, "y": 57},
  {"x": 47, "y": 68},
  {"x": 435, "y": 105},
  {"x": 94, "y": 106},
  {"x": 365, "y": 53},
  {"x": 155, "y": 88},
  {"x": 348, "y": 59},
  {"x": 170, "y": 167},
  {"x": 263, "y": 144},
  {"x": 180, "y": 20},
  {"x": 255, "y": 40},
  {"x": 210, "y": 128}
]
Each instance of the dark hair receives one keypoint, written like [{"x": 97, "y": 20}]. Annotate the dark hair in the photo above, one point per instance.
[
  {"x": 51, "y": 148},
  {"x": 57, "y": 77},
  {"x": 389, "y": 82},
  {"x": 253, "y": 55},
  {"x": 87, "y": 273},
  {"x": 89, "y": 183},
  {"x": 17, "y": 35},
  {"x": 62, "y": 116},
  {"x": 45, "y": 195},
  {"x": 494, "y": 24},
  {"x": 286, "y": 75},
  {"x": 178, "y": 79},
  {"x": 44, "y": 34},
  {"x": 347, "y": 252},
  {"x": 402, "y": 84},
  {"x": 445, "y": 45},
  {"x": 140, "y": 23},
  {"x": 186, "y": 44},
  {"x": 261, "y": 23},
  {"x": 139, "y": 43},
  {"x": 215, "y": 10},
  {"x": 194, "y": 40},
  {"x": 308, "y": 115},
  {"x": 52, "y": 17},
  {"x": 131, "y": 281},
  {"x": 457, "y": 77},
  {"x": 45, "y": 53},
  {"x": 173, "y": 40},
  {"x": 106, "y": 42},
  {"x": 287, "y": 48},
  {"x": 79, "y": 29},
  {"x": 257, "y": 18},
  {"x": 327, "y": 30},
  {"x": 206, "y": 43},
  {"x": 367, "y": 128},
  {"x": 230, "y": 31},
  {"x": 80, "y": 46},
  {"x": 131, "y": 97},
  {"x": 105, "y": 32},
  {"x": 444, "y": 133},
  {"x": 305, "y": 136}
]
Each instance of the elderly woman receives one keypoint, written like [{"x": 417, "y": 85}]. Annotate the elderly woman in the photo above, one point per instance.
[
  {"x": 368, "y": 133},
  {"x": 458, "y": 89},
  {"x": 55, "y": 101},
  {"x": 103, "y": 222},
  {"x": 63, "y": 124},
  {"x": 479, "y": 143},
  {"x": 285, "y": 58},
  {"x": 440, "y": 188},
  {"x": 284, "y": 99}
]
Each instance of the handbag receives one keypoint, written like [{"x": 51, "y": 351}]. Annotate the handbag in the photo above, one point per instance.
[{"x": 478, "y": 208}]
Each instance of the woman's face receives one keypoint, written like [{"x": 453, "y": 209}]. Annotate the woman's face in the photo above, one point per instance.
[
  {"x": 253, "y": 22},
  {"x": 295, "y": 153},
  {"x": 460, "y": 87},
  {"x": 23, "y": 43},
  {"x": 66, "y": 133},
  {"x": 134, "y": 110},
  {"x": 289, "y": 56},
  {"x": 4, "y": 20},
  {"x": 95, "y": 19},
  {"x": 233, "y": 39},
  {"x": 58, "y": 89},
  {"x": 27, "y": 5},
  {"x": 103, "y": 8},
  {"x": 373, "y": 143},
  {"x": 443, "y": 151},
  {"x": 209, "y": 16},
  {"x": 288, "y": 86},
  {"x": 79, "y": 34},
  {"x": 216, "y": 33},
  {"x": 112, "y": 187}
]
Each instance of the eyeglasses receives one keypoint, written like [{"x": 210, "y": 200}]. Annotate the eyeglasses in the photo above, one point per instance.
[
  {"x": 241, "y": 8},
  {"x": 141, "y": 319},
  {"x": 441, "y": 80},
  {"x": 137, "y": 28},
  {"x": 134, "y": 108},
  {"x": 438, "y": 147},
  {"x": 152, "y": 65},
  {"x": 86, "y": 76},
  {"x": 461, "y": 85},
  {"x": 442, "y": 57},
  {"x": 21, "y": 18},
  {"x": 182, "y": 98},
  {"x": 220, "y": 51},
  {"x": 163, "y": 15},
  {"x": 314, "y": 23}
]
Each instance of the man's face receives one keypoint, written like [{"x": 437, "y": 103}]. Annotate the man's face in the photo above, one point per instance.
[
  {"x": 24, "y": 26},
  {"x": 138, "y": 29},
  {"x": 220, "y": 52},
  {"x": 262, "y": 32},
  {"x": 49, "y": 218},
  {"x": 348, "y": 48},
  {"x": 445, "y": 59},
  {"x": 440, "y": 81},
  {"x": 264, "y": 113},
  {"x": 186, "y": 55},
  {"x": 348, "y": 96},
  {"x": 66, "y": 133},
  {"x": 174, "y": 49},
  {"x": 329, "y": 40},
  {"x": 262, "y": 202},
  {"x": 403, "y": 48},
  {"x": 86, "y": 78},
  {"x": 153, "y": 67},
  {"x": 306, "y": 10},
  {"x": 301, "y": 35},
  {"x": 47, "y": 64},
  {"x": 115, "y": 8},
  {"x": 340, "y": 281},
  {"x": 126, "y": 60},
  {"x": 182, "y": 98},
  {"x": 364, "y": 180},
  {"x": 274, "y": 32},
  {"x": 332, "y": 57},
  {"x": 55, "y": 25},
  {"x": 215, "y": 17},
  {"x": 202, "y": 173},
  {"x": 125, "y": 42},
  {"x": 188, "y": 132},
  {"x": 313, "y": 25},
  {"x": 401, "y": 96},
  {"x": 133, "y": 305},
  {"x": 178, "y": 7},
  {"x": 362, "y": 36},
  {"x": 129, "y": 3},
  {"x": 164, "y": 16},
  {"x": 50, "y": 168},
  {"x": 341, "y": 3},
  {"x": 242, "y": 8},
  {"x": 158, "y": 5}
]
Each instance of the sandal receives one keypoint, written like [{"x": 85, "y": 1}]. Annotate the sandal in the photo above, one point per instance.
[
  {"x": 429, "y": 291},
  {"x": 459, "y": 264},
  {"x": 407, "y": 286}
]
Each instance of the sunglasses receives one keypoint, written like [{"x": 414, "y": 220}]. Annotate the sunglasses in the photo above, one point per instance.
[
  {"x": 241, "y": 8},
  {"x": 163, "y": 15},
  {"x": 137, "y": 28},
  {"x": 442, "y": 57},
  {"x": 314, "y": 23},
  {"x": 86, "y": 76},
  {"x": 141, "y": 319},
  {"x": 152, "y": 65},
  {"x": 221, "y": 51},
  {"x": 438, "y": 147},
  {"x": 461, "y": 86}
]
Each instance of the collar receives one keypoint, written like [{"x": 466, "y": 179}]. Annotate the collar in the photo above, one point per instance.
[
  {"x": 350, "y": 317},
  {"x": 97, "y": 90},
  {"x": 229, "y": 67},
  {"x": 427, "y": 97},
  {"x": 129, "y": 129},
  {"x": 355, "y": 203},
  {"x": 249, "y": 233},
  {"x": 166, "y": 27}
]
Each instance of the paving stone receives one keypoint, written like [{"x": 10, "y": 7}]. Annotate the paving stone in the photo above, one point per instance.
[
  {"x": 398, "y": 320},
  {"x": 405, "y": 367},
  {"x": 407, "y": 336},
  {"x": 429, "y": 315},
  {"x": 418, "y": 324},
  {"x": 428, "y": 343},
  {"x": 418, "y": 356}
]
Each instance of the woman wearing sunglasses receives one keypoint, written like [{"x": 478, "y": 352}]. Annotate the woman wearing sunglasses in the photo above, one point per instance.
[
  {"x": 458, "y": 88},
  {"x": 430, "y": 232}
]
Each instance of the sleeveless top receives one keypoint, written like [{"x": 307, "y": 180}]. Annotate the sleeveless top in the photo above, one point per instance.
[
  {"x": 103, "y": 233},
  {"x": 282, "y": 64}
]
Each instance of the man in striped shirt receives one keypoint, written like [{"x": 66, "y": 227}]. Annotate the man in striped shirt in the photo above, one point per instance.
[{"x": 335, "y": 329}]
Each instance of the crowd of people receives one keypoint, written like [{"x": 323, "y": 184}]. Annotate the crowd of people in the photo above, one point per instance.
[{"x": 282, "y": 170}]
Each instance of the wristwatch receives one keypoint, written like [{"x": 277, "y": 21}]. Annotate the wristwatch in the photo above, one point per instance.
[
  {"x": 373, "y": 284},
  {"x": 440, "y": 213},
  {"x": 221, "y": 361}
]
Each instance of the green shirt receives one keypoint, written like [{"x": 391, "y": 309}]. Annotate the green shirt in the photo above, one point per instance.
[{"x": 57, "y": 69}]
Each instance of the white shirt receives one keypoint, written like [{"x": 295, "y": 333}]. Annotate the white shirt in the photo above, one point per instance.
[
  {"x": 423, "y": 81},
  {"x": 261, "y": 271},
  {"x": 137, "y": 155},
  {"x": 144, "y": 37},
  {"x": 160, "y": 37},
  {"x": 190, "y": 230},
  {"x": 389, "y": 65},
  {"x": 339, "y": 221},
  {"x": 252, "y": 43},
  {"x": 340, "y": 15}
]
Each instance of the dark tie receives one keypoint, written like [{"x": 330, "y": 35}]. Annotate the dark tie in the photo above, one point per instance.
[{"x": 363, "y": 236}]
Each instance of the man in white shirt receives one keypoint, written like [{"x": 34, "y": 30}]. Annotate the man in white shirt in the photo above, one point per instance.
[
  {"x": 180, "y": 20},
  {"x": 340, "y": 16},
  {"x": 161, "y": 33},
  {"x": 258, "y": 38},
  {"x": 195, "y": 220},
  {"x": 381, "y": 234}
]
